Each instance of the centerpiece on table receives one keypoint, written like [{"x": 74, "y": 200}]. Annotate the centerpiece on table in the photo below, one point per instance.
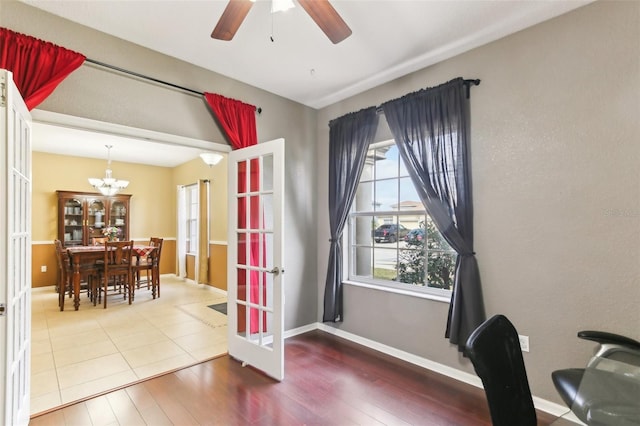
[{"x": 111, "y": 232}]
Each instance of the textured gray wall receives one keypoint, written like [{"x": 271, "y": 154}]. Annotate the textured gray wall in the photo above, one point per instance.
[
  {"x": 106, "y": 96},
  {"x": 555, "y": 157}
]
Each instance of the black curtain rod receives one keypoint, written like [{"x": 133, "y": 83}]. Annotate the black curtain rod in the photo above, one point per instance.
[
  {"x": 155, "y": 80},
  {"x": 468, "y": 83}
]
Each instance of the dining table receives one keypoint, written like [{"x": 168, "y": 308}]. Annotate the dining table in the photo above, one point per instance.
[{"x": 85, "y": 257}]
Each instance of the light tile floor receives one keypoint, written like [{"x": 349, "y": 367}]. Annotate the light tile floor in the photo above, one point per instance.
[{"x": 75, "y": 354}]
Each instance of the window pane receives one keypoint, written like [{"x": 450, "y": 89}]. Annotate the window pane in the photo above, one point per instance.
[
  {"x": 409, "y": 199},
  {"x": 386, "y": 161},
  {"x": 364, "y": 198},
  {"x": 386, "y": 196},
  {"x": 363, "y": 261},
  {"x": 440, "y": 269},
  {"x": 401, "y": 247},
  {"x": 364, "y": 228}
]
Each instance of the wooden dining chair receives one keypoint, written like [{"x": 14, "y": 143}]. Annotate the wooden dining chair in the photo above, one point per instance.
[
  {"x": 117, "y": 268},
  {"x": 151, "y": 265},
  {"x": 64, "y": 269},
  {"x": 88, "y": 273}
]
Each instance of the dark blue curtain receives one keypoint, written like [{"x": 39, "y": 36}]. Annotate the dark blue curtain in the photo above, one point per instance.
[
  {"x": 349, "y": 139},
  {"x": 431, "y": 130}
]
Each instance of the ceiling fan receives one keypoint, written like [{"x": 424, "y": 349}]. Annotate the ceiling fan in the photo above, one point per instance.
[{"x": 321, "y": 11}]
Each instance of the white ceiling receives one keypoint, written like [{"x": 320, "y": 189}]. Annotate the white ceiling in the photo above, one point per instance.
[
  {"x": 391, "y": 38},
  {"x": 81, "y": 137}
]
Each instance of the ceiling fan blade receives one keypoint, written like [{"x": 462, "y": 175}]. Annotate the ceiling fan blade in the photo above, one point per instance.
[
  {"x": 231, "y": 18},
  {"x": 327, "y": 19}
]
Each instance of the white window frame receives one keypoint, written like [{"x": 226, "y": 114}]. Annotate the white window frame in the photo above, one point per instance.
[
  {"x": 191, "y": 222},
  {"x": 349, "y": 241}
]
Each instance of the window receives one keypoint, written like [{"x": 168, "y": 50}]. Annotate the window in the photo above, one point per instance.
[
  {"x": 392, "y": 240},
  {"x": 191, "y": 201}
]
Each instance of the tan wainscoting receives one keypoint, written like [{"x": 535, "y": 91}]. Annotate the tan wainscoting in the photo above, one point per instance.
[
  {"x": 191, "y": 267},
  {"x": 217, "y": 266},
  {"x": 43, "y": 254}
]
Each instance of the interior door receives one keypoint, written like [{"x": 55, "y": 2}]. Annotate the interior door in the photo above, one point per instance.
[
  {"x": 15, "y": 254},
  {"x": 255, "y": 296}
]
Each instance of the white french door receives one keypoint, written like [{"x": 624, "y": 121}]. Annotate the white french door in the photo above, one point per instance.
[
  {"x": 15, "y": 254},
  {"x": 255, "y": 295}
]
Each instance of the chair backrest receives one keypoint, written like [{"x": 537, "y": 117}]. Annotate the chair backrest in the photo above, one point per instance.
[
  {"x": 118, "y": 255},
  {"x": 156, "y": 242},
  {"x": 60, "y": 255},
  {"x": 494, "y": 350}
]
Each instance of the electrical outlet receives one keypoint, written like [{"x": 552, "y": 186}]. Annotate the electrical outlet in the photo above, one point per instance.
[
  {"x": 524, "y": 343},
  {"x": 43, "y": 268}
]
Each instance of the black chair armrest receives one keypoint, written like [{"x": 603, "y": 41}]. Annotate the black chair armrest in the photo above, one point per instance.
[{"x": 603, "y": 337}]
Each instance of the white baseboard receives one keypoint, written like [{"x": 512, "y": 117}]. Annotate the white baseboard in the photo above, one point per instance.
[{"x": 454, "y": 373}]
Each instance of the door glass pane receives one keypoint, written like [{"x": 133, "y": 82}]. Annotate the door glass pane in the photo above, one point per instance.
[
  {"x": 242, "y": 212},
  {"x": 268, "y": 251},
  {"x": 254, "y": 249},
  {"x": 242, "y": 248},
  {"x": 255, "y": 175},
  {"x": 267, "y": 330},
  {"x": 267, "y": 173},
  {"x": 255, "y": 212},
  {"x": 267, "y": 208},
  {"x": 242, "y": 286},
  {"x": 241, "y": 319},
  {"x": 268, "y": 297},
  {"x": 242, "y": 177}
]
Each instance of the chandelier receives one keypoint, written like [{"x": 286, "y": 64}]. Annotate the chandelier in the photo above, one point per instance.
[{"x": 108, "y": 185}]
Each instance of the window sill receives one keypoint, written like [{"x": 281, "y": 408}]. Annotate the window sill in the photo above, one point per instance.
[{"x": 403, "y": 292}]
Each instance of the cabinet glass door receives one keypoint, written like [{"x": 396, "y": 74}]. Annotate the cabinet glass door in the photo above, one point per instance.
[
  {"x": 96, "y": 217},
  {"x": 118, "y": 218},
  {"x": 73, "y": 215}
]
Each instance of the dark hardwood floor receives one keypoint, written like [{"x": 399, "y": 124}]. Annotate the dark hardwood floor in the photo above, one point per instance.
[{"x": 328, "y": 381}]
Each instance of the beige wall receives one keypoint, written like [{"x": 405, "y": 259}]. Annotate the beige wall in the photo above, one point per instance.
[
  {"x": 152, "y": 204},
  {"x": 556, "y": 188}
]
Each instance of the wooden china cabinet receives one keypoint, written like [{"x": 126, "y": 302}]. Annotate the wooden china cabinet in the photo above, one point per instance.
[{"x": 83, "y": 216}]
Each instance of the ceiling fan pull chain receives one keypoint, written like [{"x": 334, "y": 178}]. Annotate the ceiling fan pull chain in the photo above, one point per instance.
[{"x": 271, "y": 37}]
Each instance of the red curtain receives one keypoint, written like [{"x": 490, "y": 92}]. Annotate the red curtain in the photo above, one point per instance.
[
  {"x": 37, "y": 66},
  {"x": 238, "y": 122}
]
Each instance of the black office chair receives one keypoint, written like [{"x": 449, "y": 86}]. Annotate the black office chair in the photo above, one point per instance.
[
  {"x": 606, "y": 398},
  {"x": 494, "y": 350}
]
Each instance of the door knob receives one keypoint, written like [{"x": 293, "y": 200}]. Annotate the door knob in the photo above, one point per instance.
[{"x": 276, "y": 271}]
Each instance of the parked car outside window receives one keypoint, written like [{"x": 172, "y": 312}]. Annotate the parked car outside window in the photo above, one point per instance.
[
  {"x": 414, "y": 235},
  {"x": 390, "y": 233}
]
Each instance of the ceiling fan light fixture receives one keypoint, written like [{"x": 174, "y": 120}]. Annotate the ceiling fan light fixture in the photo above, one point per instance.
[{"x": 281, "y": 5}]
